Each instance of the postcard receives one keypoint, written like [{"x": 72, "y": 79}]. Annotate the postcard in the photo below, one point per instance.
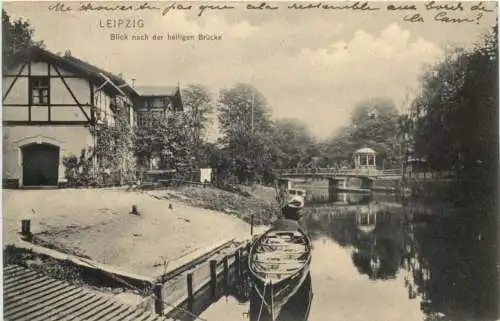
[{"x": 250, "y": 160}]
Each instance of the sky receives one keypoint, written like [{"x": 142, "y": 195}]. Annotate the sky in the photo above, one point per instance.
[{"x": 314, "y": 65}]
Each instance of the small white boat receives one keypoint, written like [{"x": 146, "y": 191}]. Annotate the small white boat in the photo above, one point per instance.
[{"x": 295, "y": 198}]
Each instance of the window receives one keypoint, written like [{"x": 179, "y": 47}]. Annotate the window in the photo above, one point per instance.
[
  {"x": 39, "y": 90},
  {"x": 142, "y": 119}
]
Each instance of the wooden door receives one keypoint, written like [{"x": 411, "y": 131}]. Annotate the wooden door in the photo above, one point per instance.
[{"x": 40, "y": 165}]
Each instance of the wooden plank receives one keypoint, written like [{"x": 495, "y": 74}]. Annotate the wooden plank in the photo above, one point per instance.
[
  {"x": 24, "y": 301},
  {"x": 48, "y": 299},
  {"x": 90, "y": 312},
  {"x": 11, "y": 268},
  {"x": 83, "y": 308},
  {"x": 130, "y": 312},
  {"x": 66, "y": 306},
  {"x": 21, "y": 279},
  {"x": 16, "y": 273},
  {"x": 42, "y": 305},
  {"x": 97, "y": 316},
  {"x": 279, "y": 262},
  {"x": 26, "y": 289},
  {"x": 33, "y": 293},
  {"x": 193, "y": 259},
  {"x": 116, "y": 314}
]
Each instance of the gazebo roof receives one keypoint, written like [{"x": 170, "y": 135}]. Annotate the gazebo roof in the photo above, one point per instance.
[{"x": 365, "y": 150}]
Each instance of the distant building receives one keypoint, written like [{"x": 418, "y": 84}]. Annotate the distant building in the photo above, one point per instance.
[
  {"x": 365, "y": 159},
  {"x": 50, "y": 104},
  {"x": 156, "y": 103}
]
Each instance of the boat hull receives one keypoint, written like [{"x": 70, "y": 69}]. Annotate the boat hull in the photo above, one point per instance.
[
  {"x": 276, "y": 282},
  {"x": 296, "y": 309},
  {"x": 275, "y": 296}
]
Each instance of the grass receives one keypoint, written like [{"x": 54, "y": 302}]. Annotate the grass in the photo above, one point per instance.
[{"x": 259, "y": 202}]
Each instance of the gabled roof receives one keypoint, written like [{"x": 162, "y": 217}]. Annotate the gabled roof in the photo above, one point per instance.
[
  {"x": 155, "y": 91},
  {"x": 99, "y": 76},
  {"x": 174, "y": 93},
  {"x": 117, "y": 80},
  {"x": 77, "y": 66}
]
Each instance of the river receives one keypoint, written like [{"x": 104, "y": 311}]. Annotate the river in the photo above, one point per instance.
[{"x": 376, "y": 258}]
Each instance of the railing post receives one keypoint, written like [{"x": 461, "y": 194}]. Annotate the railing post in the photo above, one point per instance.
[
  {"x": 237, "y": 262},
  {"x": 159, "y": 304},
  {"x": 226, "y": 270},
  {"x": 213, "y": 277},
  {"x": 189, "y": 280}
]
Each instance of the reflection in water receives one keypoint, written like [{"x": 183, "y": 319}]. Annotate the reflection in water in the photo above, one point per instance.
[
  {"x": 385, "y": 261},
  {"x": 296, "y": 309},
  {"x": 447, "y": 261},
  {"x": 375, "y": 235},
  {"x": 351, "y": 198}
]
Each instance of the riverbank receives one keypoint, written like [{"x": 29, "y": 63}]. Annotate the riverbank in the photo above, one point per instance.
[
  {"x": 98, "y": 223},
  {"x": 259, "y": 201}
]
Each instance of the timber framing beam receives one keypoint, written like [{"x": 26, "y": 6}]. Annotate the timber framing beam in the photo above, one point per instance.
[
  {"x": 72, "y": 94},
  {"x": 44, "y": 122},
  {"x": 14, "y": 81}
]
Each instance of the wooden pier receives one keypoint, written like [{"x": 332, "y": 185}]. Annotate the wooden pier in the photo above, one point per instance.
[
  {"x": 202, "y": 280},
  {"x": 29, "y": 295},
  {"x": 204, "y": 271}
]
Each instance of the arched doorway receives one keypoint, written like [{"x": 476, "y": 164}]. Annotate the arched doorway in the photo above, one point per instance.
[{"x": 40, "y": 164}]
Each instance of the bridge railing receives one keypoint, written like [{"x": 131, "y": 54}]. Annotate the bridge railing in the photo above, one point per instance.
[{"x": 337, "y": 171}]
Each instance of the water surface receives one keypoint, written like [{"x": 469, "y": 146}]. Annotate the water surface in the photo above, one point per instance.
[{"x": 376, "y": 258}]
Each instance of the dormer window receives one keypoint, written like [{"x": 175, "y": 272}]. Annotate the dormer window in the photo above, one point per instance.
[{"x": 39, "y": 90}]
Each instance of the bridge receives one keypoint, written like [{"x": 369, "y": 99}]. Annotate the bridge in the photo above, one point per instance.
[
  {"x": 328, "y": 173},
  {"x": 340, "y": 179}
]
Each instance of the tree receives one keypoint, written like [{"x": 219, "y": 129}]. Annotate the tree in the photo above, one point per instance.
[
  {"x": 455, "y": 114},
  {"x": 198, "y": 107},
  {"x": 243, "y": 110},
  {"x": 374, "y": 124},
  {"x": 294, "y": 143},
  {"x": 245, "y": 124},
  {"x": 163, "y": 140},
  {"x": 339, "y": 148},
  {"x": 17, "y": 36}
]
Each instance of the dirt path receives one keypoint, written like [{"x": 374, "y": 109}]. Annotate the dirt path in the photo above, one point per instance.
[{"x": 97, "y": 223}]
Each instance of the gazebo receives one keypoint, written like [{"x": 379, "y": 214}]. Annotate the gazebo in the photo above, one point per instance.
[{"x": 364, "y": 159}]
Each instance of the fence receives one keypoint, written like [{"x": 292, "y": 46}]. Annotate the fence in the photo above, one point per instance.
[
  {"x": 184, "y": 289},
  {"x": 434, "y": 175},
  {"x": 338, "y": 171}
]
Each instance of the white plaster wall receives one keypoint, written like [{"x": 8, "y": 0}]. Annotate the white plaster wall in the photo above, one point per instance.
[{"x": 70, "y": 139}]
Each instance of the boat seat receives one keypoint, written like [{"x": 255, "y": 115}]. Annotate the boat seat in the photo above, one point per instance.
[
  {"x": 280, "y": 262},
  {"x": 285, "y": 271}
]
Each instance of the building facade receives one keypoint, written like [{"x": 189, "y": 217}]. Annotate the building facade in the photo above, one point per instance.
[
  {"x": 156, "y": 104},
  {"x": 50, "y": 105}
]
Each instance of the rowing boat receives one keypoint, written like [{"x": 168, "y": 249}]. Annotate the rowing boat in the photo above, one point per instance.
[
  {"x": 279, "y": 263},
  {"x": 296, "y": 309}
]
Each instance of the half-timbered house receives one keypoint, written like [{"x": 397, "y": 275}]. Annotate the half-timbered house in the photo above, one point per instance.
[{"x": 50, "y": 103}]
